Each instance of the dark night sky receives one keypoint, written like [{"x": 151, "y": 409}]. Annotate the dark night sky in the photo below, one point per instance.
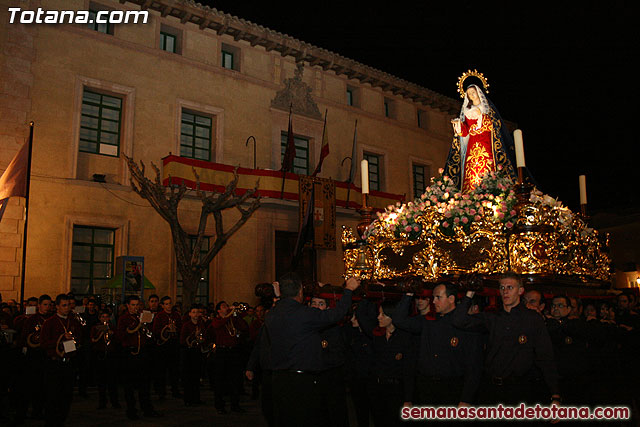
[{"x": 563, "y": 74}]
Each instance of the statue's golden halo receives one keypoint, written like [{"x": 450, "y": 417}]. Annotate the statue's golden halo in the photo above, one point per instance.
[{"x": 474, "y": 73}]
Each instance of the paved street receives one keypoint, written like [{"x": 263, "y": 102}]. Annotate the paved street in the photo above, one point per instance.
[{"x": 84, "y": 413}]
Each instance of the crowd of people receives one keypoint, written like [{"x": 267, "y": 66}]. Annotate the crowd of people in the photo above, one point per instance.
[
  {"x": 310, "y": 355},
  {"x": 135, "y": 353},
  {"x": 435, "y": 349}
]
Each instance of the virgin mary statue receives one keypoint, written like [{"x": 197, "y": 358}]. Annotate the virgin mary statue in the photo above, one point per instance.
[{"x": 481, "y": 143}]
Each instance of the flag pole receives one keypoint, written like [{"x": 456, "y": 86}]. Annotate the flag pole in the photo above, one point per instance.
[
  {"x": 26, "y": 214},
  {"x": 287, "y": 148},
  {"x": 324, "y": 129}
]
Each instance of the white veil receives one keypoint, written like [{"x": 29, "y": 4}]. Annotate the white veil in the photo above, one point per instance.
[{"x": 467, "y": 105}]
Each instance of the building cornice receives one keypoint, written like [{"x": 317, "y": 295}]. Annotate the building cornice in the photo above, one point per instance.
[{"x": 207, "y": 18}]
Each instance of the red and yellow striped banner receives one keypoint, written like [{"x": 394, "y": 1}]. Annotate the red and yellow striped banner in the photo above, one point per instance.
[{"x": 216, "y": 176}]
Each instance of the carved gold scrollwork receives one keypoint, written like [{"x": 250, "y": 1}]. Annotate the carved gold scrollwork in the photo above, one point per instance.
[{"x": 547, "y": 240}]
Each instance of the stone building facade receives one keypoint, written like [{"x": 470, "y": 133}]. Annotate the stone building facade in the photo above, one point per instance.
[{"x": 194, "y": 81}]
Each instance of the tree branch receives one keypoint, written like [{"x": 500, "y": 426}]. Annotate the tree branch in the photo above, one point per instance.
[{"x": 165, "y": 200}]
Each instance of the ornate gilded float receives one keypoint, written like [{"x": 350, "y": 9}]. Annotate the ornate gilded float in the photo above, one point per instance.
[{"x": 498, "y": 226}]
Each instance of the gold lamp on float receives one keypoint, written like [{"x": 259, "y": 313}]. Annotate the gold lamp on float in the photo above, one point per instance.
[{"x": 362, "y": 262}]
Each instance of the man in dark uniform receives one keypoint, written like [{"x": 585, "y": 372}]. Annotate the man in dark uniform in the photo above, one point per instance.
[
  {"x": 359, "y": 367},
  {"x": 448, "y": 358},
  {"x": 60, "y": 336},
  {"x": 519, "y": 350},
  {"x": 570, "y": 345},
  {"x": 167, "y": 325},
  {"x": 259, "y": 363},
  {"x": 624, "y": 315},
  {"x": 292, "y": 329},
  {"x": 534, "y": 300},
  {"x": 334, "y": 395},
  {"x": 136, "y": 367},
  {"x": 32, "y": 390}
]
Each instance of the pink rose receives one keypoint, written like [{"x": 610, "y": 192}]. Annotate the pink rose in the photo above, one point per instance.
[
  {"x": 407, "y": 228},
  {"x": 404, "y": 222},
  {"x": 465, "y": 220},
  {"x": 501, "y": 215},
  {"x": 445, "y": 224},
  {"x": 447, "y": 214},
  {"x": 456, "y": 220},
  {"x": 472, "y": 211},
  {"x": 513, "y": 213},
  {"x": 476, "y": 218},
  {"x": 416, "y": 228},
  {"x": 509, "y": 224}
]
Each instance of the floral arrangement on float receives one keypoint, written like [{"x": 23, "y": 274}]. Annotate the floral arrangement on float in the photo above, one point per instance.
[
  {"x": 492, "y": 200},
  {"x": 493, "y": 228}
]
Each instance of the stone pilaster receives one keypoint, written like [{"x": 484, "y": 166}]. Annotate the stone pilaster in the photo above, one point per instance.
[{"x": 17, "y": 53}]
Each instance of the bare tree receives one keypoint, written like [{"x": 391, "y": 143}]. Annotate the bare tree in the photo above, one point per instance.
[{"x": 165, "y": 200}]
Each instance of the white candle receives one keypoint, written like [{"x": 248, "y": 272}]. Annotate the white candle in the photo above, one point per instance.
[
  {"x": 364, "y": 169},
  {"x": 517, "y": 139},
  {"x": 582, "y": 180}
]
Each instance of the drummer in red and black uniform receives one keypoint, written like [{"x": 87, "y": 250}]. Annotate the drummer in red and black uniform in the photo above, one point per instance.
[
  {"x": 166, "y": 329},
  {"x": 192, "y": 341},
  {"x": 136, "y": 367},
  {"x": 229, "y": 330},
  {"x": 60, "y": 336},
  {"x": 104, "y": 349}
]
